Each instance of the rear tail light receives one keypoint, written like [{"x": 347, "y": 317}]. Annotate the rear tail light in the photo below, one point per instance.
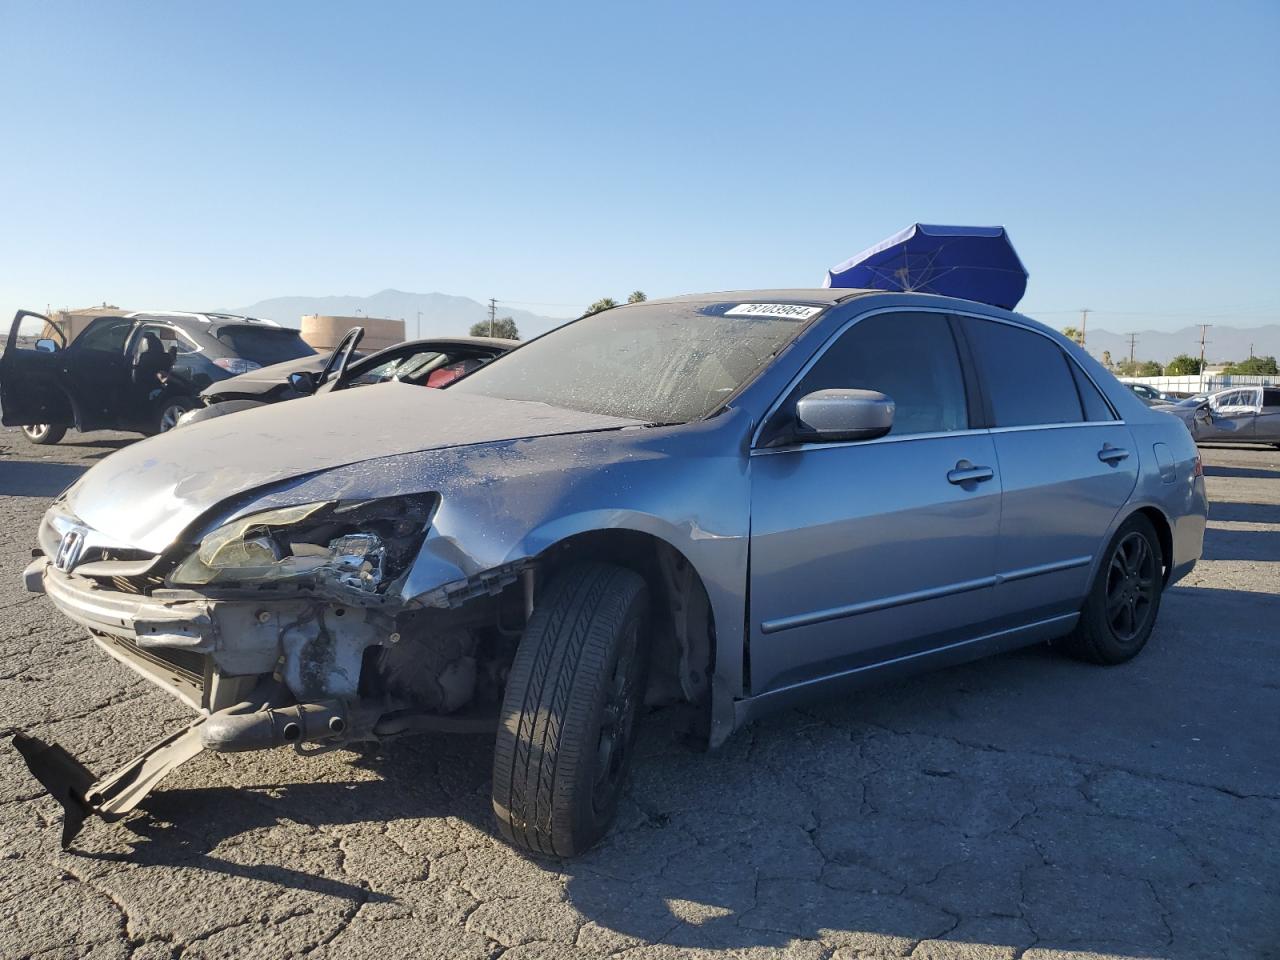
[
  {"x": 1198, "y": 469},
  {"x": 237, "y": 364}
]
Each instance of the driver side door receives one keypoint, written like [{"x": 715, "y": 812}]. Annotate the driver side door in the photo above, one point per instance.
[{"x": 32, "y": 390}]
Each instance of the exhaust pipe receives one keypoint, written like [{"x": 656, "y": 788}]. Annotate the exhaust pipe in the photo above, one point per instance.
[{"x": 247, "y": 726}]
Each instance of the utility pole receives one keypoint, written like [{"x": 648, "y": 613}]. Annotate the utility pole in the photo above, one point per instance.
[
  {"x": 418, "y": 328},
  {"x": 493, "y": 307},
  {"x": 1203, "y": 328},
  {"x": 1133, "y": 338},
  {"x": 1084, "y": 324}
]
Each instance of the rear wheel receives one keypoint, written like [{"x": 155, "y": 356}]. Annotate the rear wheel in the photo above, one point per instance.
[
  {"x": 1121, "y": 610},
  {"x": 569, "y": 715},
  {"x": 44, "y": 433}
]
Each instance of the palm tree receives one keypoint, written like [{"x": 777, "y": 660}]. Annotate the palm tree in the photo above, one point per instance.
[
  {"x": 637, "y": 296},
  {"x": 604, "y": 303}
]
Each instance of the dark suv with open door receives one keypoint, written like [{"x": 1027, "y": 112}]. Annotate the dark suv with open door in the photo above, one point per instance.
[{"x": 137, "y": 372}]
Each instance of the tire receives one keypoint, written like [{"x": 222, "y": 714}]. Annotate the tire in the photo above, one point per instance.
[
  {"x": 1124, "y": 600},
  {"x": 569, "y": 714},
  {"x": 44, "y": 434},
  {"x": 168, "y": 411}
]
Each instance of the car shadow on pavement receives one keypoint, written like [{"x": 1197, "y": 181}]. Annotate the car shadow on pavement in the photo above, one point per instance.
[
  {"x": 155, "y": 843},
  {"x": 1243, "y": 473},
  {"x": 825, "y": 824},
  {"x": 29, "y": 478},
  {"x": 1238, "y": 512},
  {"x": 1258, "y": 545}
]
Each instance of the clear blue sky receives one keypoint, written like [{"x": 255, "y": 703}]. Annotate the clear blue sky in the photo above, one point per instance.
[{"x": 214, "y": 154}]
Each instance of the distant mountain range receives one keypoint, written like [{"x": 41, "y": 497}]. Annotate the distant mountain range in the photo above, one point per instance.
[
  {"x": 442, "y": 314},
  {"x": 1221, "y": 343}
]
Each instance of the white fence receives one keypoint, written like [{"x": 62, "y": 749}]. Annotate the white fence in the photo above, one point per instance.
[{"x": 1204, "y": 383}]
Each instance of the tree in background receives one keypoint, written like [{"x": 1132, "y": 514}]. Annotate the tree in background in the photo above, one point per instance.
[
  {"x": 1106, "y": 359},
  {"x": 1183, "y": 365},
  {"x": 1139, "y": 368},
  {"x": 604, "y": 303},
  {"x": 637, "y": 296},
  {"x": 1254, "y": 366},
  {"x": 1073, "y": 333},
  {"x": 502, "y": 327}
]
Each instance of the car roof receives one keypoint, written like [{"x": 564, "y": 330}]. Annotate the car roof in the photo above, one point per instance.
[
  {"x": 808, "y": 294},
  {"x": 183, "y": 316}
]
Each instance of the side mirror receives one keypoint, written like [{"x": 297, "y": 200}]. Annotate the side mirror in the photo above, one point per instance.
[
  {"x": 303, "y": 382},
  {"x": 827, "y": 415},
  {"x": 45, "y": 345}
]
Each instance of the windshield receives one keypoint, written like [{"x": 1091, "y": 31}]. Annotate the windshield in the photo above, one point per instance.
[
  {"x": 264, "y": 345},
  {"x": 659, "y": 363}
]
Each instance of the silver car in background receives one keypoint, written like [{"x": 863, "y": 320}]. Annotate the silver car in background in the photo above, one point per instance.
[
  {"x": 1235, "y": 415},
  {"x": 737, "y": 500}
]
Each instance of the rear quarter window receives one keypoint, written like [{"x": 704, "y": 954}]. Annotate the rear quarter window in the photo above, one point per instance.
[{"x": 264, "y": 345}]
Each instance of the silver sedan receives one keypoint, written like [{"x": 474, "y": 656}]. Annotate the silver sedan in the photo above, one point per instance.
[
  {"x": 1236, "y": 415},
  {"x": 739, "y": 500}
]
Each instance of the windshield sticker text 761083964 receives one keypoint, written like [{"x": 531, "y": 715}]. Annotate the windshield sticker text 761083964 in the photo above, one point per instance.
[{"x": 787, "y": 311}]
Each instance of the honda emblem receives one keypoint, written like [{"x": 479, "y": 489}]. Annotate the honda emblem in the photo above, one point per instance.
[{"x": 69, "y": 550}]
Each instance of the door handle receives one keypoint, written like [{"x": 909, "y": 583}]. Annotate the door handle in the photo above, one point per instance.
[
  {"x": 966, "y": 472},
  {"x": 1110, "y": 454}
]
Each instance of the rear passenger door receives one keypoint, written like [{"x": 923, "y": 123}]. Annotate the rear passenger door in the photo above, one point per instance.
[{"x": 1067, "y": 463}]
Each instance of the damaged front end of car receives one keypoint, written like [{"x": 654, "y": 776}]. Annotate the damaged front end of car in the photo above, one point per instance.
[{"x": 279, "y": 627}]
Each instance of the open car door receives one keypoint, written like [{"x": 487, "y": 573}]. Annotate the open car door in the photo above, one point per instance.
[{"x": 31, "y": 380}]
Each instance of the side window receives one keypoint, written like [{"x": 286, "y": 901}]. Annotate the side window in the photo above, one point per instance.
[
  {"x": 1028, "y": 378},
  {"x": 910, "y": 358},
  {"x": 105, "y": 335},
  {"x": 169, "y": 337},
  {"x": 1095, "y": 404}
]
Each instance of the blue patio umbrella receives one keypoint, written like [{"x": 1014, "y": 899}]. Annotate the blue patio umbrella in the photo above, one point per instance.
[{"x": 974, "y": 263}]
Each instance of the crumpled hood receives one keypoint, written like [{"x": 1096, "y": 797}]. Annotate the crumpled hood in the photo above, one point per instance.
[
  {"x": 265, "y": 379},
  {"x": 145, "y": 495}
]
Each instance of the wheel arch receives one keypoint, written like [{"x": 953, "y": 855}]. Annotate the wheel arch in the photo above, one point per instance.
[
  {"x": 1164, "y": 533},
  {"x": 683, "y": 649}
]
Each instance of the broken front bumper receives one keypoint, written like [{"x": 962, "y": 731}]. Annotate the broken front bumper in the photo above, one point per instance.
[{"x": 219, "y": 657}]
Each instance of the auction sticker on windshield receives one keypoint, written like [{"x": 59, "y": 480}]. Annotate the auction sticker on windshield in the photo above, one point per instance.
[{"x": 788, "y": 311}]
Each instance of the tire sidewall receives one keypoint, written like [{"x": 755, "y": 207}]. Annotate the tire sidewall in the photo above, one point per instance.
[
  {"x": 591, "y": 819},
  {"x": 181, "y": 404},
  {"x": 48, "y": 437}
]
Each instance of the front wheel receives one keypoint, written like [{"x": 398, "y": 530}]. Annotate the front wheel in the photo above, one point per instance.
[
  {"x": 569, "y": 714},
  {"x": 1121, "y": 609},
  {"x": 44, "y": 434}
]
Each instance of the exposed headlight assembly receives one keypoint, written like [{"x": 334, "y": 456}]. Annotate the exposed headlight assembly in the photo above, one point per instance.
[{"x": 361, "y": 545}]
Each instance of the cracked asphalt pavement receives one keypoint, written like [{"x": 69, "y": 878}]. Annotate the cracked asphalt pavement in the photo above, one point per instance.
[{"x": 1021, "y": 806}]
